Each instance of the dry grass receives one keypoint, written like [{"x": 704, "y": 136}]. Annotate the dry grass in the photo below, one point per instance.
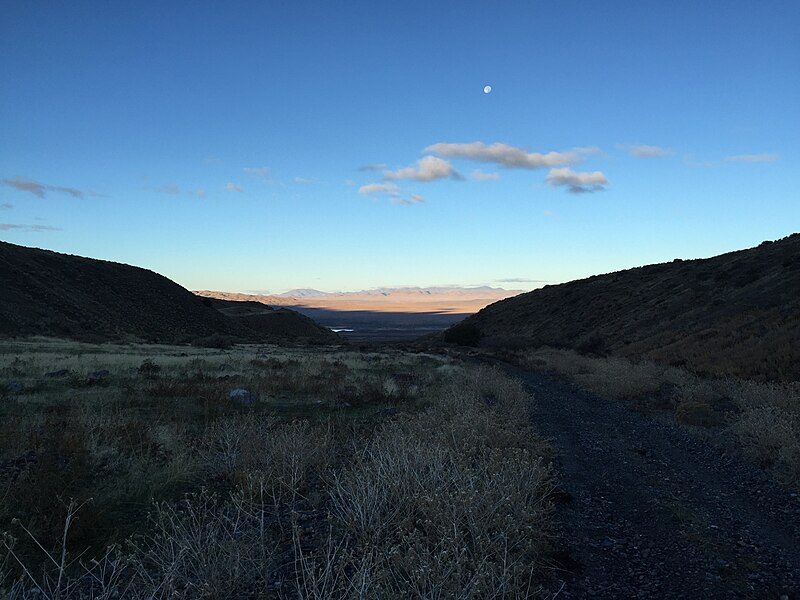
[
  {"x": 311, "y": 491},
  {"x": 764, "y": 418}
]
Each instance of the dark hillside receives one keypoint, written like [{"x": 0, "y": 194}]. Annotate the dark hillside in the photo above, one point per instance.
[
  {"x": 733, "y": 314},
  {"x": 48, "y": 293}
]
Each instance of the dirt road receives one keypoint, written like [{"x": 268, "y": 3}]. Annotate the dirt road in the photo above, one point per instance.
[{"x": 649, "y": 511}]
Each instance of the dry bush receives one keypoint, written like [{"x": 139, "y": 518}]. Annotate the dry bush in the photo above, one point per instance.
[
  {"x": 205, "y": 548},
  {"x": 284, "y": 454},
  {"x": 448, "y": 504},
  {"x": 695, "y": 413},
  {"x": 771, "y": 436},
  {"x": 765, "y": 417}
]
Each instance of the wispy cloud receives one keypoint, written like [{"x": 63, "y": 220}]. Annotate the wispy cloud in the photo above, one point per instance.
[
  {"x": 577, "y": 183},
  {"x": 305, "y": 180},
  {"x": 429, "y": 168},
  {"x": 520, "y": 280},
  {"x": 264, "y": 173},
  {"x": 379, "y": 188},
  {"x": 39, "y": 189},
  {"x": 6, "y": 206},
  {"x": 391, "y": 190},
  {"x": 27, "y": 228},
  {"x": 478, "y": 175},
  {"x": 374, "y": 167},
  {"x": 170, "y": 188},
  {"x": 768, "y": 157},
  {"x": 414, "y": 199},
  {"x": 200, "y": 193},
  {"x": 233, "y": 187},
  {"x": 510, "y": 156},
  {"x": 644, "y": 151}
]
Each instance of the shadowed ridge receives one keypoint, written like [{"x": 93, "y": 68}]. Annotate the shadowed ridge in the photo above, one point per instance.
[
  {"x": 54, "y": 294},
  {"x": 734, "y": 314}
]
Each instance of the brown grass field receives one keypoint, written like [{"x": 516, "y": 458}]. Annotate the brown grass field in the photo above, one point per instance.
[{"x": 128, "y": 471}]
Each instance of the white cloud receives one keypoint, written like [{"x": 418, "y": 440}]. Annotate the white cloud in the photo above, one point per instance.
[
  {"x": 392, "y": 190},
  {"x": 200, "y": 193},
  {"x": 374, "y": 167},
  {"x": 643, "y": 151},
  {"x": 478, "y": 175},
  {"x": 510, "y": 156},
  {"x": 170, "y": 188},
  {"x": 769, "y": 157},
  {"x": 260, "y": 172},
  {"x": 305, "y": 180},
  {"x": 577, "y": 183},
  {"x": 233, "y": 187},
  {"x": 27, "y": 228},
  {"x": 376, "y": 188},
  {"x": 40, "y": 189},
  {"x": 429, "y": 168}
]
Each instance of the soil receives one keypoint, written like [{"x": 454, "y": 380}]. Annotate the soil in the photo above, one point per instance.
[{"x": 645, "y": 509}]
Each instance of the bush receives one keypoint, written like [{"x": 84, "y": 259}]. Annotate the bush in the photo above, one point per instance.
[
  {"x": 217, "y": 340},
  {"x": 695, "y": 413},
  {"x": 463, "y": 334}
]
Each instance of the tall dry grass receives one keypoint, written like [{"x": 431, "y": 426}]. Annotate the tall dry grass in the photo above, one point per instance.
[
  {"x": 441, "y": 496},
  {"x": 763, "y": 418}
]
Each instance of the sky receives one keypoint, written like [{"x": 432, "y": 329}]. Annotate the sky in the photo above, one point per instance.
[{"x": 264, "y": 146}]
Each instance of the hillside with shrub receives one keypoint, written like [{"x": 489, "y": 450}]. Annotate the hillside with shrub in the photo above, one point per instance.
[
  {"x": 53, "y": 294},
  {"x": 735, "y": 314}
]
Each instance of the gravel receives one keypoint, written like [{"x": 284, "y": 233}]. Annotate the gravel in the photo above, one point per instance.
[{"x": 647, "y": 510}]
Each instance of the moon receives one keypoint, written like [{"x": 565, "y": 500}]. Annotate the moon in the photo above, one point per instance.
[{"x": 487, "y": 89}]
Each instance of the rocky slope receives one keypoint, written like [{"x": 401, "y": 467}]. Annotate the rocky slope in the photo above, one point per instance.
[
  {"x": 48, "y": 293},
  {"x": 733, "y": 314}
]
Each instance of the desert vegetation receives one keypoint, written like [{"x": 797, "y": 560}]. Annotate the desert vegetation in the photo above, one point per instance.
[
  {"x": 148, "y": 471},
  {"x": 735, "y": 314},
  {"x": 760, "y": 420}
]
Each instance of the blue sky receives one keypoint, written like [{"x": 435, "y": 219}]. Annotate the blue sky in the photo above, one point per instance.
[{"x": 347, "y": 145}]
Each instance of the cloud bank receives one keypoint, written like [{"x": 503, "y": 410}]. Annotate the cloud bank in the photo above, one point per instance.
[
  {"x": 510, "y": 156},
  {"x": 577, "y": 183}
]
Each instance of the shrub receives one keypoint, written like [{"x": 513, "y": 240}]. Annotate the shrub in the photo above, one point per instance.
[
  {"x": 217, "y": 340},
  {"x": 149, "y": 369},
  {"x": 463, "y": 334},
  {"x": 695, "y": 413}
]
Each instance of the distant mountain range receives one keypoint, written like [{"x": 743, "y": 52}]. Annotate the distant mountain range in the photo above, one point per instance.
[
  {"x": 472, "y": 292},
  {"x": 443, "y": 300},
  {"x": 48, "y": 293},
  {"x": 733, "y": 314}
]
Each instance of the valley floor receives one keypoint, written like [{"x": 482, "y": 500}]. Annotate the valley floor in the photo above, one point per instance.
[{"x": 647, "y": 510}]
